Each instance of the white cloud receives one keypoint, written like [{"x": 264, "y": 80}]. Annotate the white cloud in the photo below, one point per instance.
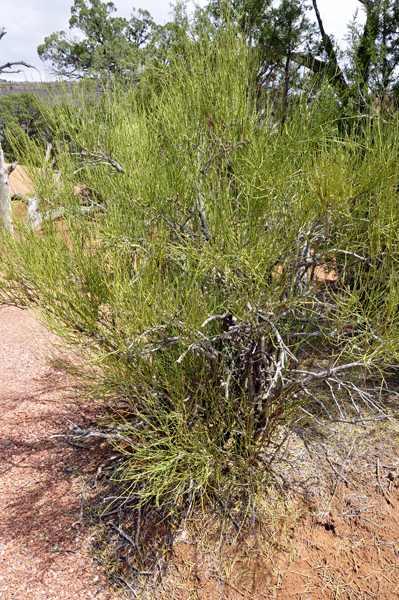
[
  {"x": 336, "y": 15},
  {"x": 28, "y": 22}
]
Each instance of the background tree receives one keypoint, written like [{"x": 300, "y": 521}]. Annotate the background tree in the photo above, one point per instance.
[
  {"x": 389, "y": 43},
  {"x": 277, "y": 30},
  {"x": 287, "y": 31},
  {"x": 21, "y": 119},
  {"x": 285, "y": 35},
  {"x": 373, "y": 53},
  {"x": 110, "y": 44},
  {"x": 383, "y": 56}
]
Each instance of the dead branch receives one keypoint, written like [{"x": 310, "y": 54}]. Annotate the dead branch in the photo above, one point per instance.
[
  {"x": 100, "y": 468},
  {"x": 61, "y": 550},
  {"x": 6, "y": 221},
  {"x": 383, "y": 491},
  {"x": 82, "y": 503},
  {"x": 100, "y": 158},
  {"x": 129, "y": 539},
  {"x": 12, "y": 64},
  {"x": 34, "y": 218},
  {"x": 80, "y": 434},
  {"x": 12, "y": 167}
]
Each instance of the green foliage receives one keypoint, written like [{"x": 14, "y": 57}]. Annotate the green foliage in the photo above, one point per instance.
[
  {"x": 277, "y": 30},
  {"x": 21, "y": 120},
  {"x": 110, "y": 44},
  {"x": 373, "y": 58},
  {"x": 284, "y": 35},
  {"x": 231, "y": 278}
]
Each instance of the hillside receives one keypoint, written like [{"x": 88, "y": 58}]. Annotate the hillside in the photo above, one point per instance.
[{"x": 40, "y": 90}]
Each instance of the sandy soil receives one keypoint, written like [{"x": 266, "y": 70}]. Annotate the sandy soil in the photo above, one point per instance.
[
  {"x": 20, "y": 182},
  {"x": 42, "y": 553}
]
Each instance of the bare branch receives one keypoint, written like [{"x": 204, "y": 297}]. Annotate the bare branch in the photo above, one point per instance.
[
  {"x": 34, "y": 218},
  {"x": 102, "y": 158},
  {"x": 330, "y": 68},
  {"x": 327, "y": 373},
  {"x": 326, "y": 39},
  {"x": 5, "y": 197},
  {"x": 209, "y": 319},
  {"x": 11, "y": 64},
  {"x": 12, "y": 167}
]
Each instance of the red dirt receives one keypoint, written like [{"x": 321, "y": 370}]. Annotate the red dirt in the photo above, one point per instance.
[
  {"x": 20, "y": 182},
  {"x": 339, "y": 558},
  {"x": 40, "y": 499}
]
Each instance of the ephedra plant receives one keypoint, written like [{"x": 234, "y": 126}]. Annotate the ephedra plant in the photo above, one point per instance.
[{"x": 231, "y": 276}]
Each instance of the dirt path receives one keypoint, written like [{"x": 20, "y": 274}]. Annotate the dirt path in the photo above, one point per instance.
[{"x": 42, "y": 554}]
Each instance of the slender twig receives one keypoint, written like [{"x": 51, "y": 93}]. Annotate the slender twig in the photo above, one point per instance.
[
  {"x": 77, "y": 445},
  {"x": 136, "y": 539},
  {"x": 129, "y": 539},
  {"x": 61, "y": 550},
  {"x": 25, "y": 484},
  {"x": 127, "y": 584},
  {"x": 100, "y": 468},
  {"x": 212, "y": 318},
  {"x": 159, "y": 567},
  {"x": 82, "y": 503},
  {"x": 102, "y": 159},
  {"x": 384, "y": 493}
]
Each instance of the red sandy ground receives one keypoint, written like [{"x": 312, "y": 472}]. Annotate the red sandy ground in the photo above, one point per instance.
[
  {"x": 347, "y": 562},
  {"x": 39, "y": 499},
  {"x": 20, "y": 182}
]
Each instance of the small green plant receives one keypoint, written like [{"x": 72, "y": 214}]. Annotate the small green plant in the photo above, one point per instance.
[{"x": 218, "y": 276}]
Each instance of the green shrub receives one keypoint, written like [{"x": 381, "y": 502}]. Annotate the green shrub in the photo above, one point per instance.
[
  {"x": 231, "y": 276},
  {"x": 20, "y": 120}
]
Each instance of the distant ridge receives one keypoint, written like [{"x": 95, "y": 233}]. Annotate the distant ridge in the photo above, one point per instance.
[{"x": 40, "y": 90}]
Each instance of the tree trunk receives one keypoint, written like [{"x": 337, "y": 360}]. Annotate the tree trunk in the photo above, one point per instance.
[
  {"x": 5, "y": 195},
  {"x": 286, "y": 86}
]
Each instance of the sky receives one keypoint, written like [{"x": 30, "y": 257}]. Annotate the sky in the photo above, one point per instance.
[{"x": 28, "y": 22}]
